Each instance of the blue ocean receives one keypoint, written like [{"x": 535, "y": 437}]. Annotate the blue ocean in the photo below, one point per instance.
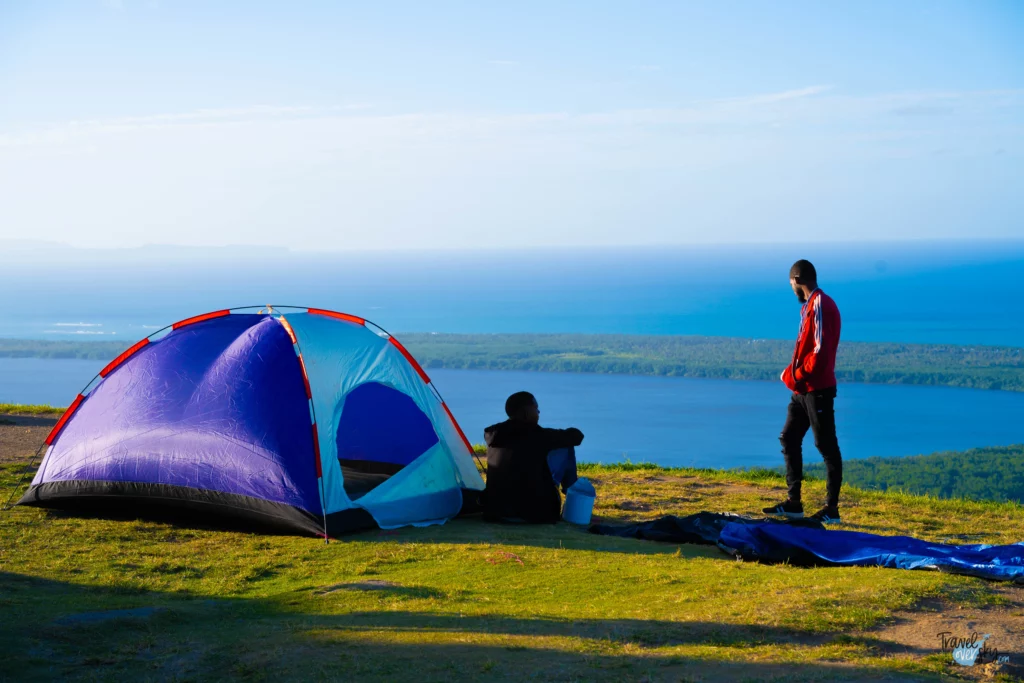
[{"x": 930, "y": 292}]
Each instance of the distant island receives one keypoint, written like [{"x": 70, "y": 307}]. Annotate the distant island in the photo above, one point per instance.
[{"x": 979, "y": 367}]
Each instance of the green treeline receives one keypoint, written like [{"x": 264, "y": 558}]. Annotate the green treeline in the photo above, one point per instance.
[
  {"x": 979, "y": 474},
  {"x": 31, "y": 348},
  {"x": 982, "y": 367}
]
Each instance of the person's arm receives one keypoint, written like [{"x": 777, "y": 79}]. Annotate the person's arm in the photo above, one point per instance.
[
  {"x": 822, "y": 338},
  {"x": 787, "y": 378},
  {"x": 561, "y": 438}
]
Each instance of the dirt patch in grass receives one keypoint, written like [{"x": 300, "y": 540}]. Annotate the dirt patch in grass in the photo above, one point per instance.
[
  {"x": 641, "y": 496},
  {"x": 726, "y": 488},
  {"x": 21, "y": 435},
  {"x": 634, "y": 506},
  {"x": 682, "y": 483},
  {"x": 919, "y": 633},
  {"x": 368, "y": 585}
]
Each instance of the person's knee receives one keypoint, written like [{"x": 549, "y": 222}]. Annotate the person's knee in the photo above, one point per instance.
[
  {"x": 829, "y": 451},
  {"x": 791, "y": 443}
]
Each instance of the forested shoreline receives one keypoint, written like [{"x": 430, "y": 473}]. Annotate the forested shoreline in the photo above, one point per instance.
[
  {"x": 978, "y": 474},
  {"x": 981, "y": 367}
]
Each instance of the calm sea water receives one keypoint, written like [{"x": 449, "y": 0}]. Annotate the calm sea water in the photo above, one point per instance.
[
  {"x": 670, "y": 421},
  {"x": 959, "y": 293}
]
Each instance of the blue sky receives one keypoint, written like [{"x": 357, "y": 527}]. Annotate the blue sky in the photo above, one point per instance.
[{"x": 328, "y": 125}]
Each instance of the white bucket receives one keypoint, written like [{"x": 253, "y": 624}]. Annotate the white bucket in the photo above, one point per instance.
[{"x": 579, "y": 502}]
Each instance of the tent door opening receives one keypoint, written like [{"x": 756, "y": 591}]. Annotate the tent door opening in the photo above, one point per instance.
[{"x": 380, "y": 431}]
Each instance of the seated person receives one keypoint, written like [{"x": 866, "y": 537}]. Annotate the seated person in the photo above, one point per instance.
[{"x": 520, "y": 483}]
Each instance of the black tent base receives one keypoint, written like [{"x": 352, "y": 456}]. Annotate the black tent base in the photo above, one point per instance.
[
  {"x": 199, "y": 508},
  {"x": 172, "y": 504}
]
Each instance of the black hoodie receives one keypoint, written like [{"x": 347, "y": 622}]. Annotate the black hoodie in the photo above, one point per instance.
[{"x": 519, "y": 482}]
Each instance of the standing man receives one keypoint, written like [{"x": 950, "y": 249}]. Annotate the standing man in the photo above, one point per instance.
[{"x": 811, "y": 377}]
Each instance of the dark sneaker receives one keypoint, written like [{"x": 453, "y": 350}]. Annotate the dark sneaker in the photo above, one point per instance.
[
  {"x": 827, "y": 515},
  {"x": 787, "y": 508}
]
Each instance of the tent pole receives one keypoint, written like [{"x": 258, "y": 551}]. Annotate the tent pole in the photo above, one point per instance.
[{"x": 312, "y": 411}]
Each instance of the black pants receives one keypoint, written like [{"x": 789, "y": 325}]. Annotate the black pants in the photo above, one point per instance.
[{"x": 816, "y": 412}]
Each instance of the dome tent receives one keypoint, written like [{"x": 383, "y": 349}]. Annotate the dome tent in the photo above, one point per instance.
[{"x": 312, "y": 421}]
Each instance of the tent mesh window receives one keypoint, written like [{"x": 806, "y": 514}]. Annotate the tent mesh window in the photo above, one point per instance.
[{"x": 380, "y": 431}]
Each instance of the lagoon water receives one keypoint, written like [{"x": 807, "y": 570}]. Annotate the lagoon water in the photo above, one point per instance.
[{"x": 669, "y": 421}]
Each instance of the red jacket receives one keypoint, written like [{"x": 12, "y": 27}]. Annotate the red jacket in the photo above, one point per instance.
[{"x": 814, "y": 358}]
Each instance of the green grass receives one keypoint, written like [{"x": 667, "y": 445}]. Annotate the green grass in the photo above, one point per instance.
[
  {"x": 472, "y": 601},
  {"x": 23, "y": 409}
]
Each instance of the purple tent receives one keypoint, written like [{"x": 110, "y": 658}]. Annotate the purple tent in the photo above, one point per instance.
[{"x": 314, "y": 421}]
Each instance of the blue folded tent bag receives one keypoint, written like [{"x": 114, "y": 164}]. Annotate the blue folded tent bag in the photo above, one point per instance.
[{"x": 775, "y": 543}]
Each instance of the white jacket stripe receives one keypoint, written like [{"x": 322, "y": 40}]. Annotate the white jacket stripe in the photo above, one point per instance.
[{"x": 817, "y": 323}]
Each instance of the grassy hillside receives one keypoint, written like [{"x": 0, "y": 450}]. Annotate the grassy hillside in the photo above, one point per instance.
[
  {"x": 470, "y": 601},
  {"x": 983, "y": 367},
  {"x": 980, "y": 474}
]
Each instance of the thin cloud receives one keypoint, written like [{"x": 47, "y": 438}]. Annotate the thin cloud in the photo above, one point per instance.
[
  {"x": 706, "y": 111},
  {"x": 811, "y": 105},
  {"x": 783, "y": 96},
  {"x": 75, "y": 129},
  {"x": 923, "y": 110},
  {"x": 75, "y": 332},
  {"x": 255, "y": 112}
]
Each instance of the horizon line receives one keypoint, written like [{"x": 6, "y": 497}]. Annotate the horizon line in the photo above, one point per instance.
[{"x": 48, "y": 245}]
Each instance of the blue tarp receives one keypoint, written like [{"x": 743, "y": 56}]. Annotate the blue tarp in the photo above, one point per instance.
[{"x": 802, "y": 546}]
